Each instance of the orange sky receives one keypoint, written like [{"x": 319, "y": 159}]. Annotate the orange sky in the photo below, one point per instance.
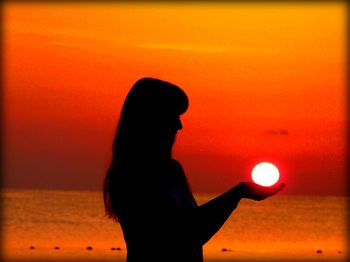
[{"x": 265, "y": 82}]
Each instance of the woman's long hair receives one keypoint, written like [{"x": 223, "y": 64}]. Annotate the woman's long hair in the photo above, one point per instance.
[{"x": 148, "y": 105}]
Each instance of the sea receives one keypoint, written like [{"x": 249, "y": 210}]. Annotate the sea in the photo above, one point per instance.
[{"x": 50, "y": 225}]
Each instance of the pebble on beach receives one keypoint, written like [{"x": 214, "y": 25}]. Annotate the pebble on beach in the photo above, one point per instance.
[
  {"x": 319, "y": 251},
  {"x": 89, "y": 248},
  {"x": 31, "y": 247}
]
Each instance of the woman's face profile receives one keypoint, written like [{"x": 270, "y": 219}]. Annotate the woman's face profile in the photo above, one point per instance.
[
  {"x": 173, "y": 123},
  {"x": 168, "y": 129},
  {"x": 150, "y": 117}
]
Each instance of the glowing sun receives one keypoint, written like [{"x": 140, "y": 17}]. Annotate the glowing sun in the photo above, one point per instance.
[{"x": 265, "y": 174}]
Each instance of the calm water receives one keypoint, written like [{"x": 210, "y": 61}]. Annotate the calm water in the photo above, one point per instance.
[{"x": 280, "y": 228}]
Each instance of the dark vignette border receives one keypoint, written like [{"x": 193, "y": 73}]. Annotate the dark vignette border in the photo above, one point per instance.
[{"x": 4, "y": 2}]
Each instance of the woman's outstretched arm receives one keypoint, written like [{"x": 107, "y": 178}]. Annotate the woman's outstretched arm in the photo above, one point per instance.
[{"x": 202, "y": 222}]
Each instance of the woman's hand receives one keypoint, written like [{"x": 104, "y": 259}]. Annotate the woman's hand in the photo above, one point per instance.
[{"x": 254, "y": 191}]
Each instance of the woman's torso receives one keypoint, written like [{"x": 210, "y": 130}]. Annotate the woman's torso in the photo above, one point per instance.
[{"x": 150, "y": 211}]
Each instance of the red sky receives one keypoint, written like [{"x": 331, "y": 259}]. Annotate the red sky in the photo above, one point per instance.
[{"x": 265, "y": 82}]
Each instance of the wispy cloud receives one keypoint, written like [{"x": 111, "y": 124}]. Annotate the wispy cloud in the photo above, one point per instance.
[
  {"x": 277, "y": 132},
  {"x": 186, "y": 47},
  {"x": 228, "y": 48}
]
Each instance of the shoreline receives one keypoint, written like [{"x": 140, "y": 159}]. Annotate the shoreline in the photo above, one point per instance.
[{"x": 41, "y": 254}]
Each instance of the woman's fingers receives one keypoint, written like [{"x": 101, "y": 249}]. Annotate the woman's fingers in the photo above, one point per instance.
[
  {"x": 276, "y": 188},
  {"x": 257, "y": 192}
]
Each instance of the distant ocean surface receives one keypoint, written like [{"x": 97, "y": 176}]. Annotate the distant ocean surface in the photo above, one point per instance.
[{"x": 42, "y": 225}]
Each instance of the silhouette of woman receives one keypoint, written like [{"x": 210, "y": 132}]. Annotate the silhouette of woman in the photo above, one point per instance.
[{"x": 146, "y": 190}]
